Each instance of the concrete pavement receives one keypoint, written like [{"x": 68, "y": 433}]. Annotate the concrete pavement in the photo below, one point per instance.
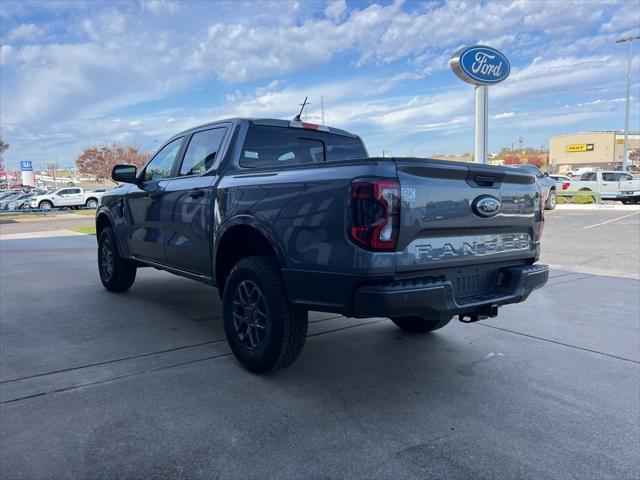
[{"x": 142, "y": 384}]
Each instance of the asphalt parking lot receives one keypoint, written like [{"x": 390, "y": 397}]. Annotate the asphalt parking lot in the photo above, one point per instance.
[{"x": 142, "y": 384}]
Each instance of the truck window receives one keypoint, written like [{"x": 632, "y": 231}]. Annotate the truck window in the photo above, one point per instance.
[
  {"x": 624, "y": 176},
  {"x": 160, "y": 166},
  {"x": 589, "y": 176},
  {"x": 608, "y": 177},
  {"x": 267, "y": 146},
  {"x": 201, "y": 152}
]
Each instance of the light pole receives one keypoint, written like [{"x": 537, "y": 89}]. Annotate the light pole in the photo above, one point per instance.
[{"x": 630, "y": 40}]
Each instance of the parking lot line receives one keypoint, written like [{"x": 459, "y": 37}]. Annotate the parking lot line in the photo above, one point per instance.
[
  {"x": 609, "y": 221},
  {"x": 42, "y": 234},
  {"x": 597, "y": 352}
]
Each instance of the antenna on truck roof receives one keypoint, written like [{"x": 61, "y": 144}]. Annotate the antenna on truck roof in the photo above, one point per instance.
[{"x": 303, "y": 104}]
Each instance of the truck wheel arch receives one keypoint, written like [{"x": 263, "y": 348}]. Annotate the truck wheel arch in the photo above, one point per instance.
[
  {"x": 102, "y": 221},
  {"x": 236, "y": 242}
]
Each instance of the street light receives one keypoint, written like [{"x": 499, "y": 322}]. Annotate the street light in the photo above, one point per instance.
[{"x": 630, "y": 40}]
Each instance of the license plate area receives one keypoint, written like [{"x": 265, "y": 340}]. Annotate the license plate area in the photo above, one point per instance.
[{"x": 470, "y": 281}]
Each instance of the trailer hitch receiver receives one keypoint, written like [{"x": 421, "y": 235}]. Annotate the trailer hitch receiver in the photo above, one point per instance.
[{"x": 487, "y": 311}]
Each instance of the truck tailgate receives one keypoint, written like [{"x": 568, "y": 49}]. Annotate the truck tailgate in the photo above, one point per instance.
[{"x": 440, "y": 226}]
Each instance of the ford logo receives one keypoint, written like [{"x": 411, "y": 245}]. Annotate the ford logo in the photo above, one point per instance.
[
  {"x": 486, "y": 206},
  {"x": 480, "y": 65}
]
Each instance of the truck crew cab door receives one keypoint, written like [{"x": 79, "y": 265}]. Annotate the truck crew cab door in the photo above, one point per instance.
[
  {"x": 189, "y": 202},
  {"x": 609, "y": 184},
  {"x": 68, "y": 197},
  {"x": 143, "y": 211}
]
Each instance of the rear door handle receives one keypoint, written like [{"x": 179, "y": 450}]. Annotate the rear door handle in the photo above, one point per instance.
[{"x": 196, "y": 193}]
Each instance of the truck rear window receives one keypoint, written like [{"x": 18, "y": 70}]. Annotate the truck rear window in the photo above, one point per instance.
[{"x": 267, "y": 146}]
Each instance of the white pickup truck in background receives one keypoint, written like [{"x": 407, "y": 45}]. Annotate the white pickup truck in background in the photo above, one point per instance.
[
  {"x": 611, "y": 185},
  {"x": 70, "y": 197}
]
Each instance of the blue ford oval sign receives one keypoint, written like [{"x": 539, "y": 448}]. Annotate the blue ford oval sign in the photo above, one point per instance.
[
  {"x": 486, "y": 206},
  {"x": 480, "y": 65}
]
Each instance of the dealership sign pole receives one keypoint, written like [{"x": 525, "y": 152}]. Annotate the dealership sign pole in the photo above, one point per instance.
[{"x": 480, "y": 66}]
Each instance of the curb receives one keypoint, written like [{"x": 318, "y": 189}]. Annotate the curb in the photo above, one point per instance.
[
  {"x": 40, "y": 234},
  {"x": 592, "y": 207}
]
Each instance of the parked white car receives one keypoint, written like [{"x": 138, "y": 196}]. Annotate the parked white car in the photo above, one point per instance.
[
  {"x": 577, "y": 172},
  {"x": 611, "y": 185},
  {"x": 66, "y": 197}
]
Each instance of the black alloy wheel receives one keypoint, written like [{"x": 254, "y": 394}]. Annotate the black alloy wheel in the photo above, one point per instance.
[
  {"x": 106, "y": 260},
  {"x": 117, "y": 274},
  {"x": 264, "y": 330},
  {"x": 250, "y": 317}
]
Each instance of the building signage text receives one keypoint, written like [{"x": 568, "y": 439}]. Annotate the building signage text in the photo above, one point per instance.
[{"x": 580, "y": 147}]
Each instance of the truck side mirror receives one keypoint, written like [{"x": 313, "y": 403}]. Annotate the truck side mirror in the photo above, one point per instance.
[{"x": 124, "y": 174}]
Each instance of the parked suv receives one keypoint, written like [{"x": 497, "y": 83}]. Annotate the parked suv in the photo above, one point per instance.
[{"x": 286, "y": 217}]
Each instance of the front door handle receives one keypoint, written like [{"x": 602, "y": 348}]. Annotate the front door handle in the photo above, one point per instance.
[{"x": 196, "y": 193}]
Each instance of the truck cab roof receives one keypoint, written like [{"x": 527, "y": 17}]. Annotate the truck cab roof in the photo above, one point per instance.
[{"x": 273, "y": 122}]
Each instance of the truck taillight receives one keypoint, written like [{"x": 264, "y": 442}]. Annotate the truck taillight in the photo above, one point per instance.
[
  {"x": 375, "y": 214},
  {"x": 565, "y": 185}
]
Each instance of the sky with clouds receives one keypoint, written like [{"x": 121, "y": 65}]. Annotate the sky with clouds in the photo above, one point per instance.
[{"x": 76, "y": 73}]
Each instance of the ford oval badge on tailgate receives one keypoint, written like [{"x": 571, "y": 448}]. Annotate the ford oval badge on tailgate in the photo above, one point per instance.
[{"x": 486, "y": 206}]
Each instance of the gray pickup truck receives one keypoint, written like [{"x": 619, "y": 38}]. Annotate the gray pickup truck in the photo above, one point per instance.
[{"x": 286, "y": 217}]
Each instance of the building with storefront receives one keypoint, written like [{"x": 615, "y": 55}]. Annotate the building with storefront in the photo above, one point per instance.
[{"x": 589, "y": 149}]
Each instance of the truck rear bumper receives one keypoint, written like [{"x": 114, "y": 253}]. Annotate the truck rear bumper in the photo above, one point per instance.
[{"x": 435, "y": 300}]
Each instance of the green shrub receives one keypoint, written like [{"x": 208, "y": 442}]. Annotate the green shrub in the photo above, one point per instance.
[
  {"x": 580, "y": 199},
  {"x": 584, "y": 200}
]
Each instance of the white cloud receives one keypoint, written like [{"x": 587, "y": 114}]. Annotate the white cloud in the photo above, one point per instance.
[
  {"x": 107, "y": 26},
  {"x": 116, "y": 68},
  {"x": 26, "y": 32},
  {"x": 65, "y": 93},
  {"x": 160, "y": 6},
  {"x": 377, "y": 34},
  {"x": 236, "y": 53},
  {"x": 5, "y": 54},
  {"x": 335, "y": 9},
  {"x": 627, "y": 15}
]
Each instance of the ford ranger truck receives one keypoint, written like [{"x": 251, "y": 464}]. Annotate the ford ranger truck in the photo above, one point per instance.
[
  {"x": 287, "y": 217},
  {"x": 69, "y": 197}
]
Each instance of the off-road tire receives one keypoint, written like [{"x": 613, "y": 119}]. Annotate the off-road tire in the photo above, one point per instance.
[
  {"x": 285, "y": 326},
  {"x": 552, "y": 201},
  {"x": 419, "y": 324},
  {"x": 122, "y": 272}
]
